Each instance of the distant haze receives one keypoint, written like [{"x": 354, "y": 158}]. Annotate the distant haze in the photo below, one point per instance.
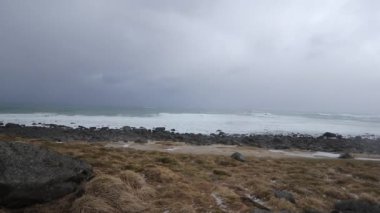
[{"x": 296, "y": 55}]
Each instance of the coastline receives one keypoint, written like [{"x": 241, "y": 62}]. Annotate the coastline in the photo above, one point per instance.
[
  {"x": 330, "y": 143},
  {"x": 314, "y": 124},
  {"x": 182, "y": 172}
]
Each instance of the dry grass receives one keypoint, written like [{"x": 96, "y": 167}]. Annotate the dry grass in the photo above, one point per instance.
[
  {"x": 91, "y": 204},
  {"x": 140, "y": 181},
  {"x": 117, "y": 194}
]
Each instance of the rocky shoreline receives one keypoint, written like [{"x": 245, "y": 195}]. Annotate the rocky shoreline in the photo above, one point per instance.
[{"x": 328, "y": 142}]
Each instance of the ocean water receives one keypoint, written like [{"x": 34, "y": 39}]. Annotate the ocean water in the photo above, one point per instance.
[{"x": 201, "y": 121}]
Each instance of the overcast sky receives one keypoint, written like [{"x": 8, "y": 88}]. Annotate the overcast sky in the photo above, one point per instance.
[{"x": 300, "y": 55}]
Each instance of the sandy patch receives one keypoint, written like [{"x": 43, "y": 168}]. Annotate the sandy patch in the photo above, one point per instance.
[{"x": 220, "y": 149}]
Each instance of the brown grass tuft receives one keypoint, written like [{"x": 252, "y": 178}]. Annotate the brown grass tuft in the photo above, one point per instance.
[
  {"x": 137, "y": 183},
  {"x": 91, "y": 204},
  {"x": 167, "y": 160},
  {"x": 132, "y": 179},
  {"x": 115, "y": 193},
  {"x": 161, "y": 174}
]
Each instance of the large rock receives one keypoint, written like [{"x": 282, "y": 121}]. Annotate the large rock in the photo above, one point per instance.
[
  {"x": 159, "y": 129},
  {"x": 238, "y": 156},
  {"x": 30, "y": 174},
  {"x": 356, "y": 206},
  {"x": 346, "y": 156},
  {"x": 329, "y": 135},
  {"x": 12, "y": 125},
  {"x": 285, "y": 195}
]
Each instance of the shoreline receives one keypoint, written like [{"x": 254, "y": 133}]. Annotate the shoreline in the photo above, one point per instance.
[
  {"x": 329, "y": 142},
  {"x": 202, "y": 175},
  {"x": 234, "y": 123}
]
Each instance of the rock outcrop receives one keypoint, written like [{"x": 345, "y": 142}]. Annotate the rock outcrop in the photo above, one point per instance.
[
  {"x": 30, "y": 174},
  {"x": 285, "y": 195},
  {"x": 346, "y": 156},
  {"x": 357, "y": 206},
  {"x": 238, "y": 156}
]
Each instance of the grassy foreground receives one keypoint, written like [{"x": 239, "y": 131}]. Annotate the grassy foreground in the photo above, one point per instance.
[{"x": 128, "y": 180}]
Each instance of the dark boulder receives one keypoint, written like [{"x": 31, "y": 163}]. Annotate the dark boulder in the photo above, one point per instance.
[
  {"x": 12, "y": 125},
  {"x": 126, "y": 128},
  {"x": 30, "y": 174},
  {"x": 238, "y": 156},
  {"x": 346, "y": 156},
  {"x": 329, "y": 135},
  {"x": 81, "y": 127},
  {"x": 159, "y": 129},
  {"x": 285, "y": 195},
  {"x": 357, "y": 206}
]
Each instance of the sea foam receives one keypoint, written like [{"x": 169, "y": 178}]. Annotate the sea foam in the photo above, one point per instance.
[{"x": 209, "y": 123}]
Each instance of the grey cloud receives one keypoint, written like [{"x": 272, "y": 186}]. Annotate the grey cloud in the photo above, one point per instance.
[{"x": 275, "y": 55}]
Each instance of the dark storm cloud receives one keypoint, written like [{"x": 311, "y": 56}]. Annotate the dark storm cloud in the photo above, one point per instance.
[{"x": 284, "y": 55}]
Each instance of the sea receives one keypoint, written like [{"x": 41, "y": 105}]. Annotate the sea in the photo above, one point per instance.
[{"x": 198, "y": 121}]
